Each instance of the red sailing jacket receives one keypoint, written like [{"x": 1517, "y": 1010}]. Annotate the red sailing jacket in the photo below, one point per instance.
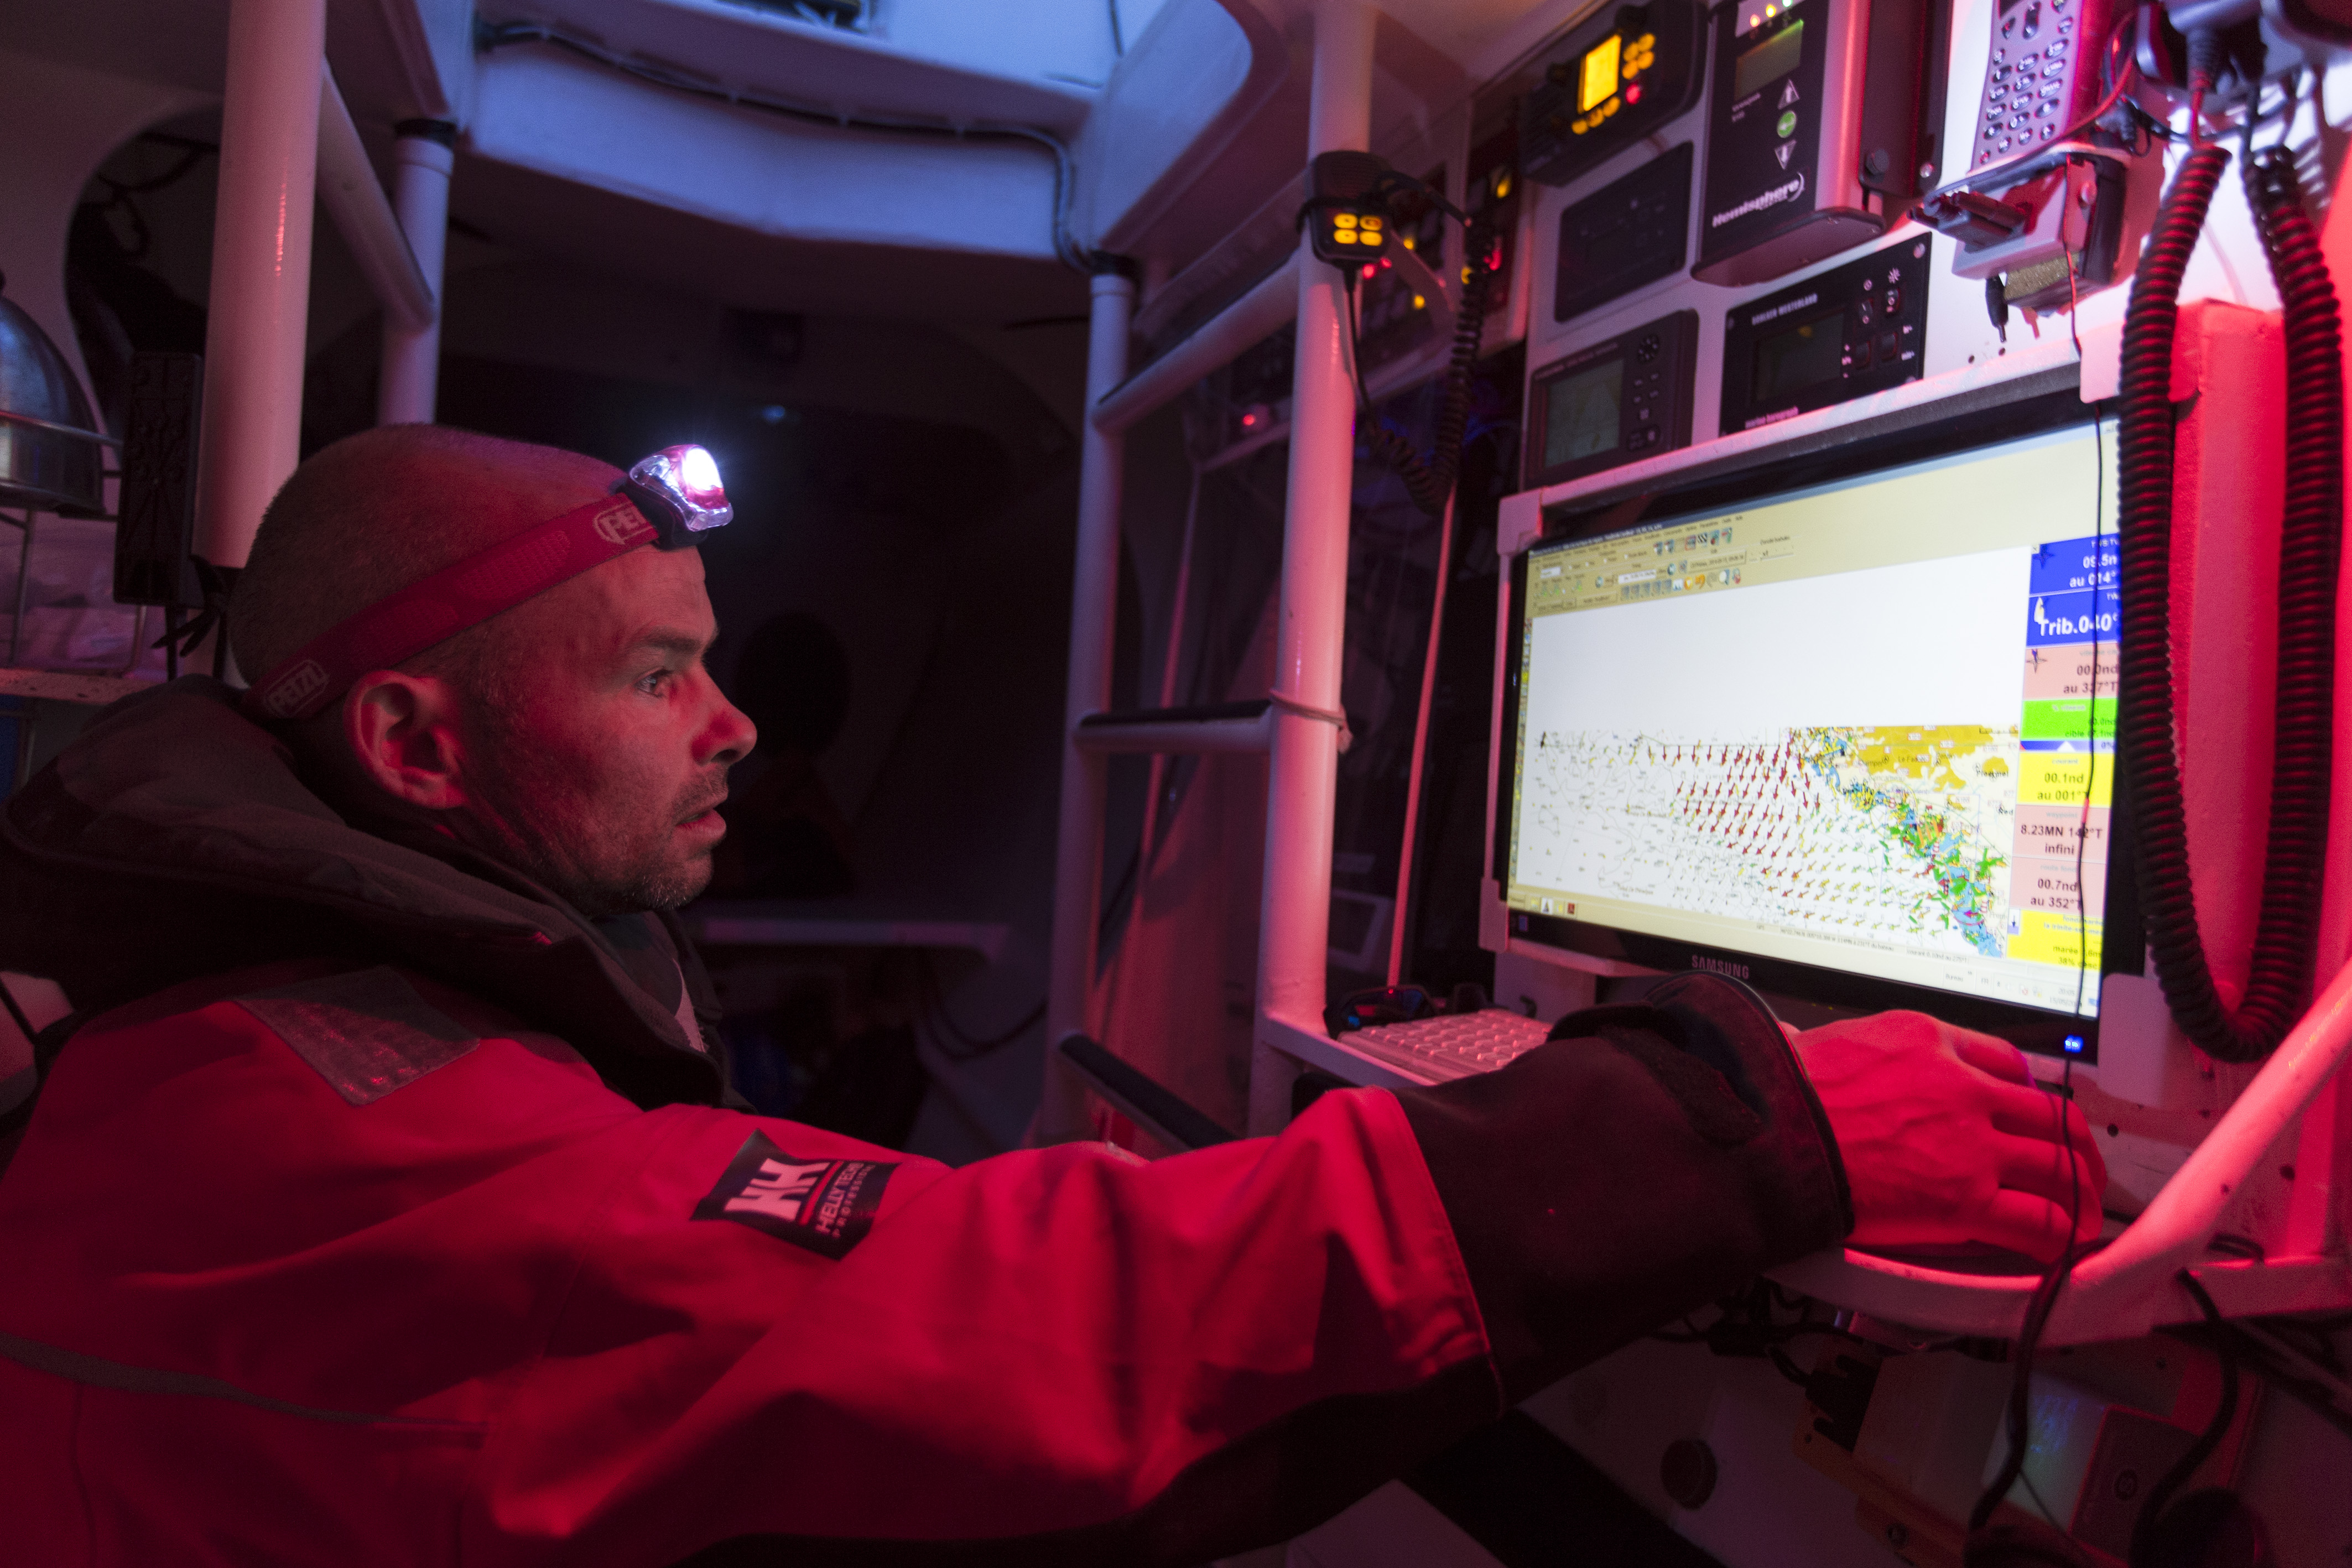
[{"x": 360, "y": 1254}]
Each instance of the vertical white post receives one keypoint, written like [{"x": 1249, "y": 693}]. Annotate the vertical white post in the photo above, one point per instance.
[
  {"x": 261, "y": 269},
  {"x": 1094, "y": 604},
  {"x": 412, "y": 359},
  {"x": 1294, "y": 931}
]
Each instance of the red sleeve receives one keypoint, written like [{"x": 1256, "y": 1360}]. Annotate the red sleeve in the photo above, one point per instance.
[
  {"x": 1065, "y": 1352},
  {"x": 349, "y": 1270}
]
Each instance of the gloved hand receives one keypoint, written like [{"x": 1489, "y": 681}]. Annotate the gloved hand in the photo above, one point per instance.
[{"x": 1945, "y": 1139}]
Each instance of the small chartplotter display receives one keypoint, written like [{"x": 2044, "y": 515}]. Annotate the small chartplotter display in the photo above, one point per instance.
[
  {"x": 1854, "y": 741},
  {"x": 1623, "y": 398}
]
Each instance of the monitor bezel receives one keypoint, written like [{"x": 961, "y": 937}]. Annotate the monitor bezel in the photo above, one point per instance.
[{"x": 2123, "y": 942}]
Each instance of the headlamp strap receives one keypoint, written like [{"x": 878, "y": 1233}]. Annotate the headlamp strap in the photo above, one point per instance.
[{"x": 437, "y": 608}]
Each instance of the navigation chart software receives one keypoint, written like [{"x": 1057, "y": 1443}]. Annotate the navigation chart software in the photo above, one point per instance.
[{"x": 1852, "y": 727}]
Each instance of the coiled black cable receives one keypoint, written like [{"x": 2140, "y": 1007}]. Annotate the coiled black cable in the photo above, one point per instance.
[
  {"x": 2310, "y": 545},
  {"x": 1430, "y": 484}
]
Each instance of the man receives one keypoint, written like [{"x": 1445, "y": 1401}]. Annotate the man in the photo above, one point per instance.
[{"x": 387, "y": 1206}]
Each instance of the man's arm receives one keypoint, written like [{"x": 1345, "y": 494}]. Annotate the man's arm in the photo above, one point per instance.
[
  {"x": 1066, "y": 1357},
  {"x": 548, "y": 1326}
]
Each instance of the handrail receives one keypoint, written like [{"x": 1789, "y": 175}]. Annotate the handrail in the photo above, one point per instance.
[
  {"x": 2127, "y": 1287},
  {"x": 363, "y": 215},
  {"x": 1269, "y": 305},
  {"x": 1143, "y": 1099},
  {"x": 1171, "y": 732}
]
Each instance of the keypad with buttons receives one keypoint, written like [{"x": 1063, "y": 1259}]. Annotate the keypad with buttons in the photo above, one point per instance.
[
  {"x": 1646, "y": 390},
  {"x": 2031, "y": 89},
  {"x": 1879, "y": 332}
]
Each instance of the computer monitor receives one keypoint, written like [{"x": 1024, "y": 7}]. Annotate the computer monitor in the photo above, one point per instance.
[{"x": 1850, "y": 739}]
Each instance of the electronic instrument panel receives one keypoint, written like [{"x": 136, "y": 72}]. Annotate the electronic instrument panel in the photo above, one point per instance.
[
  {"x": 1609, "y": 403},
  {"x": 1784, "y": 140},
  {"x": 1629, "y": 240},
  {"x": 1853, "y": 329},
  {"x": 1612, "y": 82},
  {"x": 1632, "y": 231}
]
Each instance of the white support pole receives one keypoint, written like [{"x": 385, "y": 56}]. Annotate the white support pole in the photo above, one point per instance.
[
  {"x": 261, "y": 268},
  {"x": 412, "y": 355},
  {"x": 1294, "y": 931},
  {"x": 1094, "y": 604}
]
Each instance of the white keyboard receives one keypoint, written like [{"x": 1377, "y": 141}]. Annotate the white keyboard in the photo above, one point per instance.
[{"x": 1453, "y": 1045}]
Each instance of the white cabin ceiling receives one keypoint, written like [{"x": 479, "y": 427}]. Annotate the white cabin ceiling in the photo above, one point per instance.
[{"x": 589, "y": 163}]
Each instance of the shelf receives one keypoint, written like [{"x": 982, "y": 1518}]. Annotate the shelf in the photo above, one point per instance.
[
  {"x": 808, "y": 923},
  {"x": 1317, "y": 1050},
  {"x": 71, "y": 686},
  {"x": 2025, "y": 372}
]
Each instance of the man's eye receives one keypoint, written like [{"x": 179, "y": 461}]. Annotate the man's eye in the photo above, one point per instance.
[{"x": 654, "y": 684}]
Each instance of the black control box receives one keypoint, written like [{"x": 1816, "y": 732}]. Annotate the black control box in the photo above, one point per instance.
[
  {"x": 1855, "y": 330},
  {"x": 1631, "y": 232},
  {"x": 157, "y": 503},
  {"x": 1617, "y": 401},
  {"x": 1618, "y": 78},
  {"x": 1813, "y": 133}
]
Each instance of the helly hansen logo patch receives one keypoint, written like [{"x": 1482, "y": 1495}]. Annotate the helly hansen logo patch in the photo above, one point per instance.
[{"x": 826, "y": 1206}]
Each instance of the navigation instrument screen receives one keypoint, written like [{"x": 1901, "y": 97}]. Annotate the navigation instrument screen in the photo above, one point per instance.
[
  {"x": 1581, "y": 413},
  {"x": 1788, "y": 362},
  {"x": 1852, "y": 726},
  {"x": 1599, "y": 77},
  {"x": 1775, "y": 57}
]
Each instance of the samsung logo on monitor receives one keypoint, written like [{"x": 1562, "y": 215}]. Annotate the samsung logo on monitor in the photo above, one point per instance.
[{"x": 1720, "y": 966}]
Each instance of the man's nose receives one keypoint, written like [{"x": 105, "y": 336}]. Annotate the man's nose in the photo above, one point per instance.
[{"x": 729, "y": 734}]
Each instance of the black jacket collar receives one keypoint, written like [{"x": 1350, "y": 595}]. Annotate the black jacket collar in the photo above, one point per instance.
[{"x": 173, "y": 839}]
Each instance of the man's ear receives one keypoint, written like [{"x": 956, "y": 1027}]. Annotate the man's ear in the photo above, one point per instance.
[{"x": 402, "y": 731}]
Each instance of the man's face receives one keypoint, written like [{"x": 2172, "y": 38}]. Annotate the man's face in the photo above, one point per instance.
[{"x": 598, "y": 765}]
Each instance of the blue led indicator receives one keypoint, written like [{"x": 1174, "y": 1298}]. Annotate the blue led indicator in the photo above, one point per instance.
[{"x": 2074, "y": 1045}]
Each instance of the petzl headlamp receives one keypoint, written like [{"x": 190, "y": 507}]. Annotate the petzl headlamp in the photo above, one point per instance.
[{"x": 667, "y": 500}]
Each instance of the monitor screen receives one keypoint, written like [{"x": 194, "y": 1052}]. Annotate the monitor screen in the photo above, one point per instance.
[
  {"x": 1581, "y": 413},
  {"x": 1864, "y": 727}
]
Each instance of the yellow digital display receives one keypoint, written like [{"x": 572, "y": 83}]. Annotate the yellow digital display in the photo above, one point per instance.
[{"x": 1599, "y": 72}]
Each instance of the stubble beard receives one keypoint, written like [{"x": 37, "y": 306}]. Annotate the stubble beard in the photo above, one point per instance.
[
  {"x": 657, "y": 887},
  {"x": 572, "y": 857}
]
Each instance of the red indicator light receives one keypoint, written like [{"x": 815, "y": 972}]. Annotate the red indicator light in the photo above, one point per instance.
[
  {"x": 1369, "y": 269},
  {"x": 1633, "y": 93}
]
